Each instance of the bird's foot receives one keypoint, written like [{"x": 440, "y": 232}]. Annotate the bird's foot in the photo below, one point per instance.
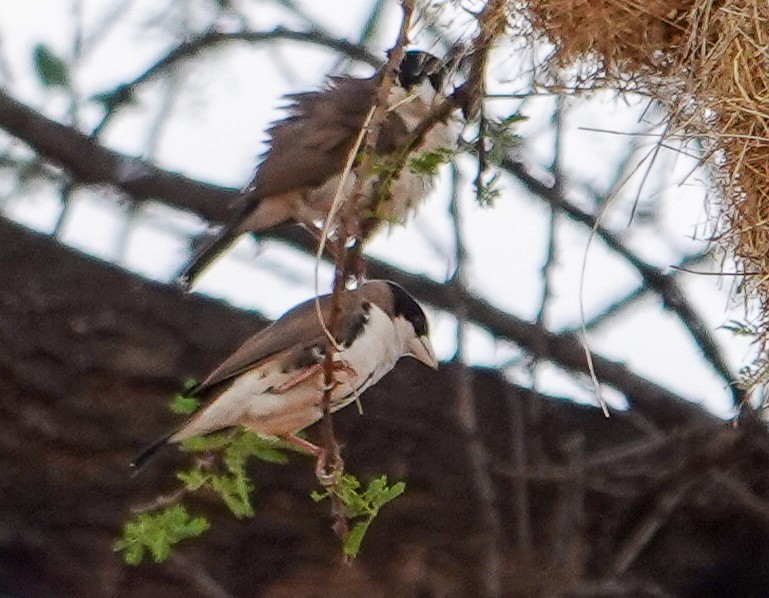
[
  {"x": 328, "y": 471},
  {"x": 298, "y": 378},
  {"x": 340, "y": 365},
  {"x": 357, "y": 267}
]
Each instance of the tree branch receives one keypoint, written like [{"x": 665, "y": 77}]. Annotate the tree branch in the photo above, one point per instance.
[
  {"x": 88, "y": 162},
  {"x": 664, "y": 285},
  {"x": 209, "y": 40}
]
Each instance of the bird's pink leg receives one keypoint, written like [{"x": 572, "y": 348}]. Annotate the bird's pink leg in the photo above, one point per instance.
[
  {"x": 300, "y": 377},
  {"x": 339, "y": 366},
  {"x": 320, "y": 455},
  {"x": 305, "y": 445}
]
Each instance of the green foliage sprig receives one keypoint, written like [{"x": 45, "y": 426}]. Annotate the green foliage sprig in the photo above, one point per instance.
[
  {"x": 361, "y": 507},
  {"x": 755, "y": 374},
  {"x": 234, "y": 485},
  {"x": 160, "y": 527},
  {"x": 157, "y": 532},
  {"x": 428, "y": 163},
  {"x": 500, "y": 138}
]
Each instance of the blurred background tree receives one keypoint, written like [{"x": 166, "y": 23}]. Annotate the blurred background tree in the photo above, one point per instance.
[{"x": 128, "y": 128}]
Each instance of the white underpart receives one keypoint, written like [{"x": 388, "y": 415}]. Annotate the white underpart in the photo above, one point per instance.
[
  {"x": 248, "y": 402},
  {"x": 410, "y": 188}
]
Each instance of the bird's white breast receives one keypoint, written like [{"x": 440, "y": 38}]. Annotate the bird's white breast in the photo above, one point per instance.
[
  {"x": 373, "y": 353},
  {"x": 410, "y": 188}
]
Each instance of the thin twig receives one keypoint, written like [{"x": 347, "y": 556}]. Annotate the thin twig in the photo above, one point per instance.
[
  {"x": 349, "y": 211},
  {"x": 663, "y": 284},
  {"x": 519, "y": 459},
  {"x": 647, "y": 529},
  {"x": 491, "y": 521},
  {"x": 191, "y": 48},
  {"x": 193, "y": 572}
]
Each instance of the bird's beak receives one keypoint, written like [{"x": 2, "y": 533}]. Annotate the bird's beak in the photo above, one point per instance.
[{"x": 421, "y": 348}]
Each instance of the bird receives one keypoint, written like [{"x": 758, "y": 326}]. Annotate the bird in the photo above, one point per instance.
[
  {"x": 274, "y": 383},
  {"x": 300, "y": 172}
]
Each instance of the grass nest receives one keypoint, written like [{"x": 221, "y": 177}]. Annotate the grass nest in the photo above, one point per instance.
[{"x": 707, "y": 61}]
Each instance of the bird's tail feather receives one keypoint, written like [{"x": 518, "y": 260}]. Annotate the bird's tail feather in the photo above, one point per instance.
[
  {"x": 140, "y": 460},
  {"x": 205, "y": 256}
]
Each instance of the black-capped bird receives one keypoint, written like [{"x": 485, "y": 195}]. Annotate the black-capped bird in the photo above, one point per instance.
[
  {"x": 273, "y": 384},
  {"x": 300, "y": 172}
]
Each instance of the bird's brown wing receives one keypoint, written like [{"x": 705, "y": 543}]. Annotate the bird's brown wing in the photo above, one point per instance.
[
  {"x": 312, "y": 143},
  {"x": 295, "y": 339}
]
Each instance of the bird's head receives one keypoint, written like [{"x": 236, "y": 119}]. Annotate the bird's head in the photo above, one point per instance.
[
  {"x": 411, "y": 322},
  {"x": 417, "y": 67}
]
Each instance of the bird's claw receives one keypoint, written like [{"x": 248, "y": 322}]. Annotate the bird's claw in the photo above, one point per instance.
[
  {"x": 328, "y": 472},
  {"x": 338, "y": 366},
  {"x": 326, "y": 387},
  {"x": 343, "y": 366}
]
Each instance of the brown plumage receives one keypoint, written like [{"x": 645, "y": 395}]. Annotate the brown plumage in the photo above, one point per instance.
[{"x": 299, "y": 174}]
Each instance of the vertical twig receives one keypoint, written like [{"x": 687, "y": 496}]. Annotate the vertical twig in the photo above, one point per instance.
[
  {"x": 520, "y": 487},
  {"x": 491, "y": 21},
  {"x": 647, "y": 529},
  {"x": 348, "y": 226},
  {"x": 548, "y": 267},
  {"x": 491, "y": 524},
  {"x": 552, "y": 245},
  {"x": 568, "y": 550},
  {"x": 67, "y": 189}
]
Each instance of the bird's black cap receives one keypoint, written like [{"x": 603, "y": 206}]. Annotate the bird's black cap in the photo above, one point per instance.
[
  {"x": 417, "y": 66},
  {"x": 405, "y": 305}
]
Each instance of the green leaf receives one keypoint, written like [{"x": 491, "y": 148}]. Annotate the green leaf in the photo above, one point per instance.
[
  {"x": 248, "y": 444},
  {"x": 235, "y": 494},
  {"x": 487, "y": 191},
  {"x": 194, "y": 479},
  {"x": 354, "y": 539},
  {"x": 512, "y": 119},
  {"x": 111, "y": 100},
  {"x": 234, "y": 490},
  {"x": 157, "y": 532},
  {"x": 360, "y": 506},
  {"x": 210, "y": 442},
  {"x": 392, "y": 493},
  {"x": 740, "y": 328},
  {"x": 499, "y": 138},
  {"x": 374, "y": 489},
  {"x": 51, "y": 70},
  {"x": 428, "y": 162},
  {"x": 183, "y": 405}
]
